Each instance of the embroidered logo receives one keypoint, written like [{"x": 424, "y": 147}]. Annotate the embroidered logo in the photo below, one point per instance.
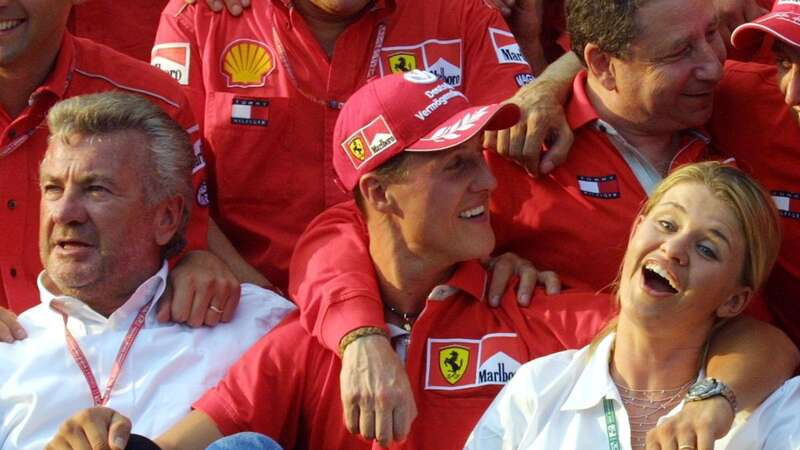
[
  {"x": 202, "y": 194},
  {"x": 246, "y": 63},
  {"x": 453, "y": 362},
  {"x": 788, "y": 203},
  {"x": 368, "y": 141},
  {"x": 606, "y": 187},
  {"x": 250, "y": 111},
  {"x": 440, "y": 57},
  {"x": 523, "y": 78},
  {"x": 173, "y": 58},
  {"x": 456, "y": 130},
  {"x": 506, "y": 47},
  {"x": 402, "y": 62}
]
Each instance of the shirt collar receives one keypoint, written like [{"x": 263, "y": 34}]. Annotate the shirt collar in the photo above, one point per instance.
[
  {"x": 470, "y": 277},
  {"x": 594, "y": 382},
  {"x": 151, "y": 289},
  {"x": 580, "y": 110}
]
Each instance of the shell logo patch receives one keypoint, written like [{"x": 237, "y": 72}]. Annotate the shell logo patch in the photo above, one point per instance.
[
  {"x": 402, "y": 62},
  {"x": 453, "y": 362},
  {"x": 368, "y": 141},
  {"x": 246, "y": 63}
]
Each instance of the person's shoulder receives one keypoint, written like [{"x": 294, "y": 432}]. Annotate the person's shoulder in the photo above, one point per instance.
[
  {"x": 262, "y": 306},
  {"x": 748, "y": 77},
  {"x": 549, "y": 370},
  {"x": 100, "y": 68}
]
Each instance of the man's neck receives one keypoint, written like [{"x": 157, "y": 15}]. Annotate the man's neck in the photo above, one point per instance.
[
  {"x": 326, "y": 27},
  {"x": 659, "y": 148},
  {"x": 23, "y": 76},
  {"x": 647, "y": 358},
  {"x": 405, "y": 278}
]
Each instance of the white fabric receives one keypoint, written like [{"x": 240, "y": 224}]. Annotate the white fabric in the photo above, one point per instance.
[
  {"x": 556, "y": 403},
  {"x": 169, "y": 366}
]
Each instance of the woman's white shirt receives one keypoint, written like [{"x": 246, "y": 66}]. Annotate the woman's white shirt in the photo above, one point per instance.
[{"x": 556, "y": 402}]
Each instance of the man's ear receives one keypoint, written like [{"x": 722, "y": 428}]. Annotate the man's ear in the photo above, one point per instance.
[
  {"x": 167, "y": 220},
  {"x": 375, "y": 194},
  {"x": 736, "y": 303},
  {"x": 600, "y": 65}
]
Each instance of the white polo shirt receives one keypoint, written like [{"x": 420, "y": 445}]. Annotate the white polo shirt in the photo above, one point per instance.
[
  {"x": 168, "y": 367},
  {"x": 556, "y": 402}
]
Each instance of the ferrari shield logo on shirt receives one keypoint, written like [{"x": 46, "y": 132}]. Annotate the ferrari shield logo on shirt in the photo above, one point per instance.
[
  {"x": 788, "y": 203},
  {"x": 173, "y": 58},
  {"x": 506, "y": 47},
  {"x": 246, "y": 63},
  {"x": 606, "y": 187},
  {"x": 440, "y": 57},
  {"x": 468, "y": 363},
  {"x": 250, "y": 111},
  {"x": 368, "y": 141},
  {"x": 402, "y": 62},
  {"x": 453, "y": 362}
]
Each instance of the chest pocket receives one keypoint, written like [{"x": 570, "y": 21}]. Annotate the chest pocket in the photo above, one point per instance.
[{"x": 253, "y": 155}]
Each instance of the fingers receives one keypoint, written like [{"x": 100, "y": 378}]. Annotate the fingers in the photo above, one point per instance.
[
  {"x": 402, "y": 418},
  {"x": 10, "y": 329},
  {"x": 705, "y": 441},
  {"x": 165, "y": 305},
  {"x": 384, "y": 421},
  {"x": 232, "y": 303},
  {"x": 503, "y": 270},
  {"x": 215, "y": 5},
  {"x": 366, "y": 421},
  {"x": 558, "y": 150},
  {"x": 502, "y": 138},
  {"x": 351, "y": 414},
  {"x": 550, "y": 280},
  {"x": 119, "y": 432},
  {"x": 490, "y": 140},
  {"x": 528, "y": 275}
]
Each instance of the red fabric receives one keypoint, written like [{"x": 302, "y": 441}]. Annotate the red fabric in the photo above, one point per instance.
[
  {"x": 128, "y": 27},
  {"x": 752, "y": 122},
  {"x": 272, "y": 176},
  {"x": 278, "y": 386},
  {"x": 553, "y": 223},
  {"x": 82, "y": 67}
]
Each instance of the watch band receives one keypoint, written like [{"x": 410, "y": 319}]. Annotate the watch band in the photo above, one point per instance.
[{"x": 712, "y": 387}]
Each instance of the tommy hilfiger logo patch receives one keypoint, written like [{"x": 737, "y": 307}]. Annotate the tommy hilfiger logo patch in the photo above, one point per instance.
[
  {"x": 454, "y": 364},
  {"x": 788, "y": 203},
  {"x": 250, "y": 111},
  {"x": 599, "y": 187}
]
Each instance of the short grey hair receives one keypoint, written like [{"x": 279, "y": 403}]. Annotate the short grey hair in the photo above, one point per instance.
[
  {"x": 609, "y": 24},
  {"x": 169, "y": 166}
]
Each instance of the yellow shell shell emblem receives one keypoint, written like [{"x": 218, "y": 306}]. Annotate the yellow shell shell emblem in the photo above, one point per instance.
[{"x": 247, "y": 63}]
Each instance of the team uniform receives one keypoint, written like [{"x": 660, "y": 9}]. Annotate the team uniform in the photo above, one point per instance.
[
  {"x": 128, "y": 27},
  {"x": 268, "y": 98},
  {"x": 752, "y": 122},
  {"x": 459, "y": 354},
  {"x": 82, "y": 67}
]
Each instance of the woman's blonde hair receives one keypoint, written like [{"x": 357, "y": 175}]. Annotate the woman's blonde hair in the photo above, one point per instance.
[{"x": 751, "y": 205}]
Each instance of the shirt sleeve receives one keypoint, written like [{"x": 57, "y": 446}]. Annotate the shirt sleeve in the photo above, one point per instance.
[
  {"x": 495, "y": 66},
  {"x": 332, "y": 279}
]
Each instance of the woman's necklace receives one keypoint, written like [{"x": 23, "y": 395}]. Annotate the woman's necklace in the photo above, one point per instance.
[{"x": 645, "y": 407}]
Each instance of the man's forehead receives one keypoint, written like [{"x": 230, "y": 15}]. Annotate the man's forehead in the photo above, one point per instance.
[
  {"x": 114, "y": 152},
  {"x": 661, "y": 23}
]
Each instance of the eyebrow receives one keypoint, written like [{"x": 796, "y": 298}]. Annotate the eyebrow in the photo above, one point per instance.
[{"x": 713, "y": 231}]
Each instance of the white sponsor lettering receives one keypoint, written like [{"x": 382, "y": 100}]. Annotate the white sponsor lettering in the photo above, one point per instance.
[
  {"x": 174, "y": 59},
  {"x": 436, "y": 103},
  {"x": 506, "y": 47}
]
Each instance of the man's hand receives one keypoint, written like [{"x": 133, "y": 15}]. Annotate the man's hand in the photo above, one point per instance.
[
  {"x": 698, "y": 425},
  {"x": 201, "y": 291},
  {"x": 733, "y": 13},
  {"x": 10, "y": 329},
  {"x": 507, "y": 265},
  {"x": 93, "y": 429},
  {"x": 376, "y": 395},
  {"x": 235, "y": 7}
]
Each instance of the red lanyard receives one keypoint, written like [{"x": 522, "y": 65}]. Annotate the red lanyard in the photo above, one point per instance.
[
  {"x": 116, "y": 369},
  {"x": 331, "y": 103}
]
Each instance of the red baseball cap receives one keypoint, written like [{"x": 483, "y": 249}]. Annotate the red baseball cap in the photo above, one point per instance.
[
  {"x": 413, "y": 111},
  {"x": 783, "y": 22}
]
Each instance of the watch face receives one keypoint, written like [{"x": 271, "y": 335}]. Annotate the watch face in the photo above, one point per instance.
[{"x": 703, "y": 388}]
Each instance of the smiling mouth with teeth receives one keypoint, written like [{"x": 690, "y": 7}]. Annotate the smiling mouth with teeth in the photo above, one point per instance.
[
  {"x": 472, "y": 213},
  {"x": 658, "y": 279},
  {"x": 8, "y": 24}
]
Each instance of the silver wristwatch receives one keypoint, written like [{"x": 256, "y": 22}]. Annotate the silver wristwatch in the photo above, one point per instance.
[{"x": 711, "y": 387}]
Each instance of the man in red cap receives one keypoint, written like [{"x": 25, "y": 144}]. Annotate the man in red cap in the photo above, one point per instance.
[
  {"x": 407, "y": 146},
  {"x": 757, "y": 119}
]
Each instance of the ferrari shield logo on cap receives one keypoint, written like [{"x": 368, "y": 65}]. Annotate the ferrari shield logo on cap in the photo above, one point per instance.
[
  {"x": 453, "y": 362},
  {"x": 368, "y": 141},
  {"x": 356, "y": 147},
  {"x": 402, "y": 62},
  {"x": 246, "y": 63}
]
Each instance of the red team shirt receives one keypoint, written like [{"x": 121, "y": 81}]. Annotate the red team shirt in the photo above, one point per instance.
[
  {"x": 752, "y": 122},
  {"x": 461, "y": 353},
  {"x": 82, "y": 67},
  {"x": 270, "y": 129}
]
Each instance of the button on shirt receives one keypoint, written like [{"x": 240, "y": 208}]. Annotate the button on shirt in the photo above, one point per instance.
[
  {"x": 168, "y": 367},
  {"x": 556, "y": 402}
]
